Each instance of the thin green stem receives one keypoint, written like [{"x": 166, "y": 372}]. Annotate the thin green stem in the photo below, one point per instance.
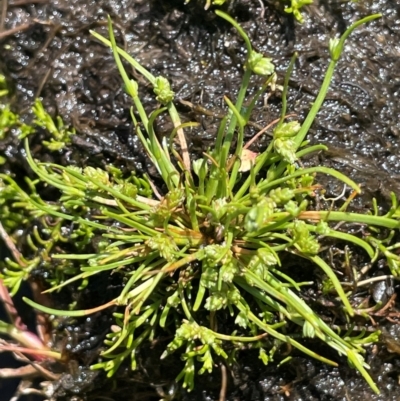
[
  {"x": 242, "y": 33},
  {"x": 282, "y": 337},
  {"x": 378, "y": 221},
  {"x": 335, "y": 281}
]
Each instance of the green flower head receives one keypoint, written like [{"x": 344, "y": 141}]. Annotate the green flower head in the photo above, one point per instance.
[
  {"x": 163, "y": 91},
  {"x": 259, "y": 64}
]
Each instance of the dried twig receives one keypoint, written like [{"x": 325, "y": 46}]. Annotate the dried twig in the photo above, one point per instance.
[
  {"x": 10, "y": 309},
  {"x": 3, "y": 14},
  {"x": 264, "y": 130},
  {"x": 184, "y": 148},
  {"x": 224, "y": 382},
  {"x": 11, "y": 246},
  {"x": 17, "y": 3}
]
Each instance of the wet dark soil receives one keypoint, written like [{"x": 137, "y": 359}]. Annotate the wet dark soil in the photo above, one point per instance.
[{"x": 54, "y": 57}]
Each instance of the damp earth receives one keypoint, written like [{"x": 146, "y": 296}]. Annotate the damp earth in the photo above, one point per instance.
[{"x": 47, "y": 51}]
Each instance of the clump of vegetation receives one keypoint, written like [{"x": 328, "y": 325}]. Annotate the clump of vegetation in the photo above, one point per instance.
[
  {"x": 208, "y": 241},
  {"x": 60, "y": 135}
]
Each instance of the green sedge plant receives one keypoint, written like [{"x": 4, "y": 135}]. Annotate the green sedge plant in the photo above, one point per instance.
[{"x": 211, "y": 243}]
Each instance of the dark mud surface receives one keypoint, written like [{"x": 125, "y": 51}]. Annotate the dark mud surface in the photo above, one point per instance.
[{"x": 54, "y": 57}]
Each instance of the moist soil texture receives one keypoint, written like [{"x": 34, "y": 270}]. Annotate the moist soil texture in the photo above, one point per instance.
[{"x": 48, "y": 52}]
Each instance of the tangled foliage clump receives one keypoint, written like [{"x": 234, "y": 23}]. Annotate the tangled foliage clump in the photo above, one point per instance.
[{"x": 210, "y": 244}]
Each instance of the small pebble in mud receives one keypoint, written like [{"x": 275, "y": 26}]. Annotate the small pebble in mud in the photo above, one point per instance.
[{"x": 383, "y": 290}]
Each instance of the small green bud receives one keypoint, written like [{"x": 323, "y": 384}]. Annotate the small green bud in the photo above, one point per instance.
[
  {"x": 96, "y": 174},
  {"x": 167, "y": 206},
  {"x": 114, "y": 171},
  {"x": 257, "y": 267},
  {"x": 216, "y": 301},
  {"x": 263, "y": 356},
  {"x": 242, "y": 320},
  {"x": 308, "y": 330},
  {"x": 307, "y": 180},
  {"x": 212, "y": 252},
  {"x": 54, "y": 146},
  {"x": 200, "y": 168},
  {"x": 233, "y": 295},
  {"x": 302, "y": 238},
  {"x": 259, "y": 64},
  {"x": 327, "y": 286},
  {"x": 259, "y": 215},
  {"x": 286, "y": 148},
  {"x": 207, "y": 336},
  {"x": 127, "y": 189},
  {"x": 334, "y": 48},
  {"x": 281, "y": 195},
  {"x": 322, "y": 228},
  {"x": 292, "y": 208},
  {"x": 268, "y": 256},
  {"x": 229, "y": 270},
  {"x": 209, "y": 277},
  {"x": 163, "y": 91},
  {"x": 131, "y": 88},
  {"x": 219, "y": 206},
  {"x": 287, "y": 130},
  {"x": 165, "y": 245},
  {"x": 174, "y": 198}
]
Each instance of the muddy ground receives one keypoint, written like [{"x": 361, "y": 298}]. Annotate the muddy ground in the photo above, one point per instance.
[{"x": 54, "y": 57}]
